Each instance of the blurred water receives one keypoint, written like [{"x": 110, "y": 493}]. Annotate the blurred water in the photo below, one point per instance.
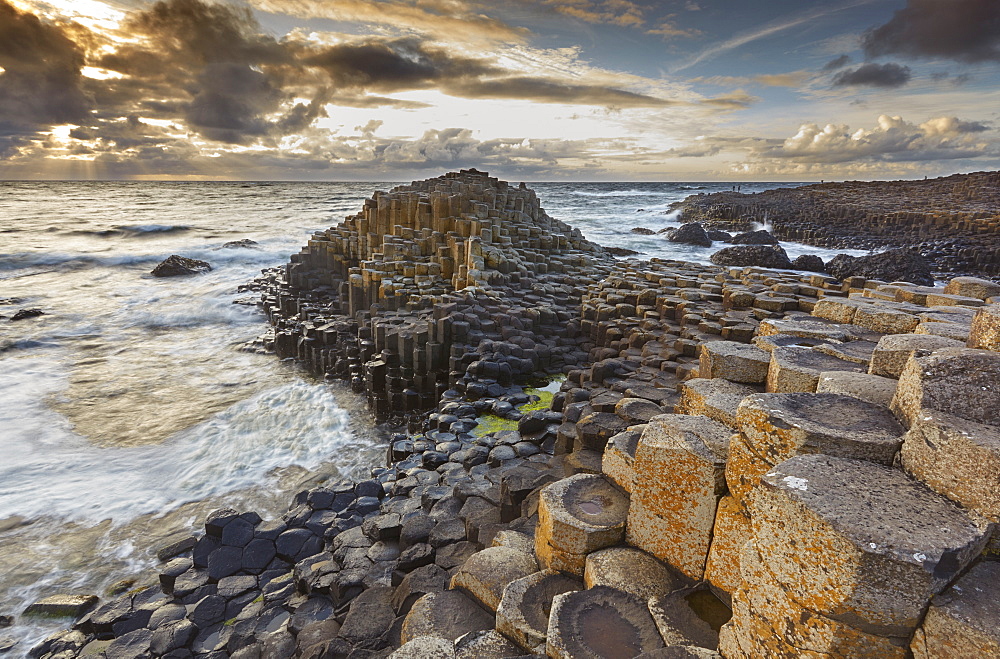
[{"x": 127, "y": 411}]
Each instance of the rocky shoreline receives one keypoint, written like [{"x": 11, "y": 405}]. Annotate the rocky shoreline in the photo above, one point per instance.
[
  {"x": 953, "y": 221},
  {"x": 741, "y": 462}
]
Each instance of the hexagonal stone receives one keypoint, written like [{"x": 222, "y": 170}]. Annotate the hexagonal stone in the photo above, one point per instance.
[
  {"x": 678, "y": 623},
  {"x": 945, "y": 300},
  {"x": 732, "y": 530},
  {"x": 716, "y": 398},
  {"x": 838, "y": 309},
  {"x": 637, "y": 410},
  {"x": 956, "y": 331},
  {"x": 680, "y": 477},
  {"x": 425, "y": 647},
  {"x": 599, "y": 623},
  {"x": 957, "y": 458},
  {"x": 972, "y": 287},
  {"x": 859, "y": 352},
  {"x": 961, "y": 381},
  {"x": 736, "y": 362},
  {"x": 963, "y": 621},
  {"x": 62, "y": 606},
  {"x": 578, "y": 515},
  {"x": 779, "y": 426},
  {"x": 487, "y": 644},
  {"x": 617, "y": 463},
  {"x": 594, "y": 430},
  {"x": 797, "y": 369},
  {"x": 761, "y": 601},
  {"x": 523, "y": 615},
  {"x": 894, "y": 350},
  {"x": 985, "y": 330},
  {"x": 859, "y": 542},
  {"x": 680, "y": 652},
  {"x": 485, "y": 575},
  {"x": 446, "y": 615},
  {"x": 631, "y": 570},
  {"x": 885, "y": 319},
  {"x": 869, "y": 388},
  {"x": 743, "y": 469},
  {"x": 806, "y": 328}
]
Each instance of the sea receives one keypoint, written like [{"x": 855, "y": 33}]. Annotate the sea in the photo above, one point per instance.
[{"x": 128, "y": 411}]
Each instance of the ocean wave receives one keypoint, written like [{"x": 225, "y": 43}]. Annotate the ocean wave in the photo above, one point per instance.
[
  {"x": 624, "y": 193},
  {"x": 140, "y": 229}
]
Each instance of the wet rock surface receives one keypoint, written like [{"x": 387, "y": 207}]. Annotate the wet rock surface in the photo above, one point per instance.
[{"x": 176, "y": 266}]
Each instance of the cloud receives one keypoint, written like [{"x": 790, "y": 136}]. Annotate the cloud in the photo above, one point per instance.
[
  {"x": 446, "y": 20},
  {"x": 622, "y": 13},
  {"x": 963, "y": 30},
  {"x": 892, "y": 139},
  {"x": 41, "y": 84},
  {"x": 873, "y": 75},
  {"x": 837, "y": 63}
]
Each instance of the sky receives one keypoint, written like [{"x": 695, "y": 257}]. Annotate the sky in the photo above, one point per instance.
[{"x": 538, "y": 90}]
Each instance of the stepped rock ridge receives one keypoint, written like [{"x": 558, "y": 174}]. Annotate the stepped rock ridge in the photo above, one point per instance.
[
  {"x": 953, "y": 221},
  {"x": 747, "y": 463},
  {"x": 430, "y": 278}
]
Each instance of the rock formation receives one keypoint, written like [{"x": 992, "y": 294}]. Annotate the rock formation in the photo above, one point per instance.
[
  {"x": 953, "y": 221},
  {"x": 748, "y": 463}
]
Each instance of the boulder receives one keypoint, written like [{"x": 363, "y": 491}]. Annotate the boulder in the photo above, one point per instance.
[
  {"x": 809, "y": 263},
  {"x": 643, "y": 231},
  {"x": 898, "y": 264},
  {"x": 23, "y": 314},
  {"x": 759, "y": 237},
  {"x": 763, "y": 256},
  {"x": 690, "y": 234},
  {"x": 174, "y": 266}
]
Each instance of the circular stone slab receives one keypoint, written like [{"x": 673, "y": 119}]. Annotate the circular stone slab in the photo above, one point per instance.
[
  {"x": 600, "y": 623},
  {"x": 582, "y": 513},
  {"x": 631, "y": 570},
  {"x": 524, "y": 610}
]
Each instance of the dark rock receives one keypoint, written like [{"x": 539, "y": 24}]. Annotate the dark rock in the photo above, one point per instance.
[
  {"x": 690, "y": 234},
  {"x": 809, "y": 262},
  {"x": 237, "y": 533},
  {"x": 174, "y": 266},
  {"x": 207, "y": 611},
  {"x": 236, "y": 244},
  {"x": 643, "y": 231},
  {"x": 900, "y": 264},
  {"x": 370, "y": 616},
  {"x": 176, "y": 547},
  {"x": 620, "y": 251},
  {"x": 416, "y": 556},
  {"x": 224, "y": 561},
  {"x": 295, "y": 544},
  {"x": 230, "y": 587},
  {"x": 27, "y": 313},
  {"x": 716, "y": 234},
  {"x": 764, "y": 256},
  {"x": 171, "y": 636},
  {"x": 257, "y": 555},
  {"x": 760, "y": 237}
]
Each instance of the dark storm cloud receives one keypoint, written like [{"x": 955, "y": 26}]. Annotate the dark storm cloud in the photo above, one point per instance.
[
  {"x": 837, "y": 63},
  {"x": 873, "y": 75},
  {"x": 41, "y": 83},
  {"x": 963, "y": 30}
]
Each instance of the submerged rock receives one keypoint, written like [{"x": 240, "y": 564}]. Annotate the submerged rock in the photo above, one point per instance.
[
  {"x": 643, "y": 231},
  {"x": 174, "y": 266},
  {"x": 764, "y": 256},
  {"x": 236, "y": 244},
  {"x": 620, "y": 251},
  {"x": 27, "y": 313},
  {"x": 898, "y": 264},
  {"x": 809, "y": 262}
]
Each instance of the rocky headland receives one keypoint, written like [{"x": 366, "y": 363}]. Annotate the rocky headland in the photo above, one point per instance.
[
  {"x": 740, "y": 462},
  {"x": 954, "y": 221}
]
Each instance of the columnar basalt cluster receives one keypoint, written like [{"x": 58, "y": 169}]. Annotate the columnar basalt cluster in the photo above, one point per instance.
[
  {"x": 429, "y": 279},
  {"x": 954, "y": 221},
  {"x": 751, "y": 463}
]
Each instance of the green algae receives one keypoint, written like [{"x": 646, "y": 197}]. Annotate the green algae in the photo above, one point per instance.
[{"x": 491, "y": 423}]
